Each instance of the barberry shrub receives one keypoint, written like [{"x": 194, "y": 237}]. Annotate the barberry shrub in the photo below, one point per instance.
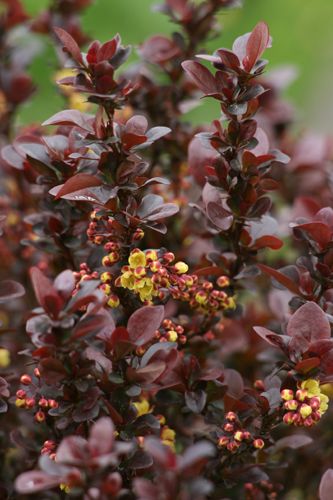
[{"x": 166, "y": 288}]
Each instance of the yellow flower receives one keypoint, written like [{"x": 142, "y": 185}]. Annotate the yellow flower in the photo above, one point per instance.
[
  {"x": 142, "y": 407},
  {"x": 323, "y": 403},
  {"x": 4, "y": 358},
  {"x": 144, "y": 288},
  {"x": 127, "y": 280},
  {"x": 137, "y": 258},
  {"x": 312, "y": 386},
  {"x": 168, "y": 437}
]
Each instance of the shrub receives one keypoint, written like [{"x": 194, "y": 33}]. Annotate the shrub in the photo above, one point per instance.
[{"x": 170, "y": 333}]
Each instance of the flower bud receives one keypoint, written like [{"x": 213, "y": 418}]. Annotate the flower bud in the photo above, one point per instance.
[
  {"x": 21, "y": 394},
  {"x": 25, "y": 379},
  {"x": 305, "y": 410},
  {"x": 287, "y": 394},
  {"x": 231, "y": 416},
  {"x": 40, "y": 416},
  {"x": 181, "y": 267},
  {"x": 258, "y": 443},
  {"x": 292, "y": 405},
  {"x": 238, "y": 436},
  {"x": 223, "y": 281},
  {"x": 113, "y": 301},
  {"x": 106, "y": 277},
  {"x": 223, "y": 441},
  {"x": 301, "y": 394},
  {"x": 172, "y": 336}
]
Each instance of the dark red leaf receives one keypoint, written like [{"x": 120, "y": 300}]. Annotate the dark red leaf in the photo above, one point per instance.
[
  {"x": 326, "y": 485},
  {"x": 280, "y": 278},
  {"x": 70, "y": 45},
  {"x": 10, "y": 290},
  {"x": 257, "y": 43},
  {"x": 143, "y": 323},
  {"x": 201, "y": 76},
  {"x": 76, "y": 183}
]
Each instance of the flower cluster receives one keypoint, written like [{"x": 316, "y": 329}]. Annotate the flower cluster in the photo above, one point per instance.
[
  {"x": 306, "y": 405},
  {"x": 154, "y": 274},
  {"x": 30, "y": 399},
  {"x": 236, "y": 438}
]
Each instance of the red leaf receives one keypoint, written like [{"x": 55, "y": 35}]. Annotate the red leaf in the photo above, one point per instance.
[
  {"x": 326, "y": 485},
  {"x": 201, "y": 76},
  {"x": 70, "y": 44},
  {"x": 77, "y": 182},
  {"x": 101, "y": 437},
  {"x": 306, "y": 365},
  {"x": 10, "y": 290},
  {"x": 257, "y": 43},
  {"x": 308, "y": 324},
  {"x": 268, "y": 241},
  {"x": 34, "y": 481},
  {"x": 107, "y": 50},
  {"x": 318, "y": 231},
  {"x": 143, "y": 323},
  {"x": 280, "y": 278},
  {"x": 45, "y": 292},
  {"x": 71, "y": 117}
]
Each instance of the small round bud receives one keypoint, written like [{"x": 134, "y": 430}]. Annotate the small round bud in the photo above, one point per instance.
[
  {"x": 21, "y": 394},
  {"x": 43, "y": 403},
  {"x": 305, "y": 410},
  {"x": 113, "y": 301},
  {"x": 223, "y": 441},
  {"x": 40, "y": 416},
  {"x": 291, "y": 405},
  {"x": 138, "y": 234},
  {"x": 53, "y": 403},
  {"x": 181, "y": 267},
  {"x": 172, "y": 336},
  {"x": 287, "y": 394},
  {"x": 258, "y": 443},
  {"x": 169, "y": 257},
  {"x": 301, "y": 394},
  {"x": 222, "y": 281},
  {"x": 231, "y": 416},
  {"x": 106, "y": 277},
  {"x": 25, "y": 379},
  {"x": 238, "y": 436},
  {"x": 259, "y": 385}
]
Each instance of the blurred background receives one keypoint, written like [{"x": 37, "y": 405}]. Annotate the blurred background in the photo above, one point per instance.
[{"x": 302, "y": 36}]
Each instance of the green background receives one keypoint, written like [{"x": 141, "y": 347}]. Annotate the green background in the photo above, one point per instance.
[{"x": 302, "y": 36}]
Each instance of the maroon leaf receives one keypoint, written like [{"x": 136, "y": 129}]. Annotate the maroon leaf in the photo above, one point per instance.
[
  {"x": 34, "y": 481},
  {"x": 70, "y": 45},
  {"x": 107, "y": 50},
  {"x": 101, "y": 437},
  {"x": 45, "y": 292},
  {"x": 326, "y": 485},
  {"x": 257, "y": 43},
  {"x": 76, "y": 183},
  {"x": 272, "y": 338},
  {"x": 72, "y": 117},
  {"x": 280, "y": 278},
  {"x": 159, "y": 49},
  {"x": 10, "y": 290},
  {"x": 143, "y": 323},
  {"x": 308, "y": 324},
  {"x": 201, "y": 76},
  {"x": 294, "y": 442}
]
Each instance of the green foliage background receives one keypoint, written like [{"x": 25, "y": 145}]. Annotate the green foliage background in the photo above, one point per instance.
[{"x": 301, "y": 30}]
